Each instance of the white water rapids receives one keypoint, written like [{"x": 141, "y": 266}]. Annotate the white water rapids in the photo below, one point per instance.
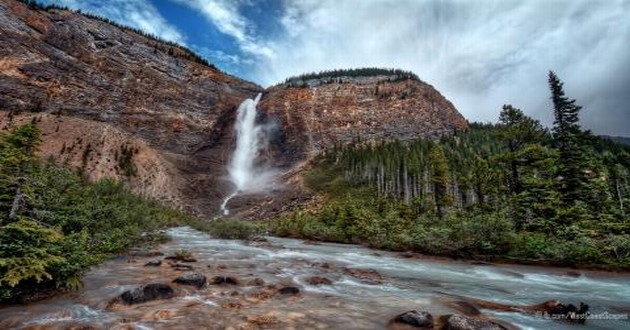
[{"x": 251, "y": 138}]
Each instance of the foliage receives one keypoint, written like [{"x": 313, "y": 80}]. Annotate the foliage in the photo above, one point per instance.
[{"x": 62, "y": 225}]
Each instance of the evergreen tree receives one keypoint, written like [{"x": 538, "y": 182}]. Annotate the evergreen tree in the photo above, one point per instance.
[
  {"x": 567, "y": 136},
  {"x": 440, "y": 179},
  {"x": 517, "y": 130}
]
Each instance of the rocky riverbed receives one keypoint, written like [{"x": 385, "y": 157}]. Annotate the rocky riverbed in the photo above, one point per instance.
[{"x": 290, "y": 284}]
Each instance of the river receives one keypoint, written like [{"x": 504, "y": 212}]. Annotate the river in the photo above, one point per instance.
[{"x": 350, "y": 302}]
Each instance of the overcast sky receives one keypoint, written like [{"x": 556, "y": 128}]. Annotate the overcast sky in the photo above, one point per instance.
[{"x": 479, "y": 54}]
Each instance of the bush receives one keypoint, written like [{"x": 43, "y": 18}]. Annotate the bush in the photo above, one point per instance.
[{"x": 229, "y": 228}]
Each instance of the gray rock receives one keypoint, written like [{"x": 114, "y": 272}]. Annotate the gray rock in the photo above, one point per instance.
[
  {"x": 458, "y": 322},
  {"x": 193, "y": 279},
  {"x": 148, "y": 292},
  {"x": 154, "y": 263},
  {"x": 418, "y": 319},
  {"x": 289, "y": 290},
  {"x": 224, "y": 280}
]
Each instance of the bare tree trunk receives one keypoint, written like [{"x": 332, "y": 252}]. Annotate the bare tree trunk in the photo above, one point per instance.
[
  {"x": 620, "y": 196},
  {"x": 17, "y": 201}
]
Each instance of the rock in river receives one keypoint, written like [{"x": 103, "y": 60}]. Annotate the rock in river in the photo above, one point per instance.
[
  {"x": 148, "y": 292},
  {"x": 193, "y": 279},
  {"x": 319, "y": 280},
  {"x": 289, "y": 290},
  {"x": 418, "y": 319},
  {"x": 224, "y": 280},
  {"x": 458, "y": 322}
]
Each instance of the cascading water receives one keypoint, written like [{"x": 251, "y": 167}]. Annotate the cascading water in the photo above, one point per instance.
[{"x": 250, "y": 140}]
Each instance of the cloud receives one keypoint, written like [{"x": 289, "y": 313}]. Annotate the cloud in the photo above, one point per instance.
[
  {"x": 225, "y": 16},
  {"x": 139, "y": 14},
  {"x": 478, "y": 54}
]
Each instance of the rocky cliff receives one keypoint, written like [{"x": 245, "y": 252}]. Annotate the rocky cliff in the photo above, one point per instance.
[
  {"x": 323, "y": 112},
  {"x": 115, "y": 103}
]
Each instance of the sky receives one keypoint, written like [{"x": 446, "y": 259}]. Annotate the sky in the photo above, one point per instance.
[{"x": 479, "y": 54}]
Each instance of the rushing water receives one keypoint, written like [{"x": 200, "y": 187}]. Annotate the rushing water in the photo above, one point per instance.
[
  {"x": 250, "y": 139},
  {"x": 349, "y": 303}
]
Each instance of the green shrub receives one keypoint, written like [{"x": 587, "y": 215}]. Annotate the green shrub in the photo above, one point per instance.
[{"x": 229, "y": 228}]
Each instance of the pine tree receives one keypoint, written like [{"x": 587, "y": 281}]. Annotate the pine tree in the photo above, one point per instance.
[
  {"x": 440, "y": 178},
  {"x": 517, "y": 130},
  {"x": 567, "y": 136}
]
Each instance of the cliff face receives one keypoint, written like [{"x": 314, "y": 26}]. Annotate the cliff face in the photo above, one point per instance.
[
  {"x": 322, "y": 114},
  {"x": 116, "y": 104},
  {"x": 114, "y": 89}
]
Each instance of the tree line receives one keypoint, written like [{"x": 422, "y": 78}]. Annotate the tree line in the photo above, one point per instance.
[{"x": 337, "y": 76}]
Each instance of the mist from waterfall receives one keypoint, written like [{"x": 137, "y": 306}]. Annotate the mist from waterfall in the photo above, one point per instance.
[{"x": 251, "y": 139}]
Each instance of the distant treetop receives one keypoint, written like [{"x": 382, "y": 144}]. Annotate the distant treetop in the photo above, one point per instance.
[{"x": 397, "y": 74}]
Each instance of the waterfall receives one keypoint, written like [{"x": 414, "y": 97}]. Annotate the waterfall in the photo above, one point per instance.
[{"x": 251, "y": 138}]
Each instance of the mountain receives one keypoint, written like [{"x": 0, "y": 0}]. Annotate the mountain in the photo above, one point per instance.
[
  {"x": 113, "y": 102},
  {"x": 618, "y": 139}
]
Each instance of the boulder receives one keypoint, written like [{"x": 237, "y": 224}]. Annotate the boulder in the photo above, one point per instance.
[
  {"x": 417, "y": 319},
  {"x": 223, "y": 280},
  {"x": 256, "y": 282},
  {"x": 153, "y": 263},
  {"x": 570, "y": 312},
  {"x": 193, "y": 279},
  {"x": 458, "y": 322},
  {"x": 148, "y": 292},
  {"x": 181, "y": 258},
  {"x": 181, "y": 267},
  {"x": 289, "y": 290},
  {"x": 319, "y": 280},
  {"x": 369, "y": 276}
]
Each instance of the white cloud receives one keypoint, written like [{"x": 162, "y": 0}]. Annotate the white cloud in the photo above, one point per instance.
[
  {"x": 480, "y": 54},
  {"x": 225, "y": 16},
  {"x": 139, "y": 14}
]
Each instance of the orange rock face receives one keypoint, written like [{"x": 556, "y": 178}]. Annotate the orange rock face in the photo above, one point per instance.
[{"x": 365, "y": 108}]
